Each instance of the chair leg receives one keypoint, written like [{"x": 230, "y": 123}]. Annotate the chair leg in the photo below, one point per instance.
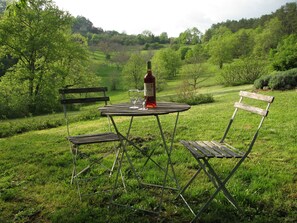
[
  {"x": 215, "y": 179},
  {"x": 180, "y": 194},
  {"x": 188, "y": 184},
  {"x": 74, "y": 151},
  {"x": 220, "y": 186},
  {"x": 115, "y": 160},
  {"x": 217, "y": 182}
]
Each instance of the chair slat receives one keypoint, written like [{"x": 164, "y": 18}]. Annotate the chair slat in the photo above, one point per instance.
[
  {"x": 252, "y": 109},
  {"x": 96, "y": 138},
  {"x": 204, "y": 151},
  {"x": 192, "y": 150},
  {"x": 228, "y": 150},
  {"x": 217, "y": 149},
  {"x": 256, "y": 96},
  {"x": 212, "y": 150},
  {"x": 235, "y": 150}
]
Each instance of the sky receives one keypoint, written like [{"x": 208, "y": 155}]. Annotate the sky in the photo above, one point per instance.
[{"x": 170, "y": 16}]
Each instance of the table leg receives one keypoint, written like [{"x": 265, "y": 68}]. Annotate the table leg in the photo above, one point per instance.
[
  {"x": 168, "y": 152},
  {"x": 124, "y": 140},
  {"x": 124, "y": 152}
]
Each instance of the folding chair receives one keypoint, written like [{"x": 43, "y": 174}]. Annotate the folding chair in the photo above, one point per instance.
[
  {"x": 71, "y": 97},
  {"x": 204, "y": 151}
]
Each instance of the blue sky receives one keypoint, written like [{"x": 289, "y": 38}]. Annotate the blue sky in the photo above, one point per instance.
[{"x": 171, "y": 16}]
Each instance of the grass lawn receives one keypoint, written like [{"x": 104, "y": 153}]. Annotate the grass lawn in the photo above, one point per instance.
[{"x": 35, "y": 169}]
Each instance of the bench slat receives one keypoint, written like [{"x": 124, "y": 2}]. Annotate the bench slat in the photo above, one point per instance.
[
  {"x": 83, "y": 100},
  {"x": 82, "y": 90}
]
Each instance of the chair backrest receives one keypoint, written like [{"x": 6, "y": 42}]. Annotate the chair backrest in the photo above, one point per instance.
[
  {"x": 71, "y": 96},
  {"x": 254, "y": 104}
]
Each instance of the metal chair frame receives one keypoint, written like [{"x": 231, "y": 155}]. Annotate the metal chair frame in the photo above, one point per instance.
[
  {"x": 69, "y": 97},
  {"x": 204, "y": 151}
]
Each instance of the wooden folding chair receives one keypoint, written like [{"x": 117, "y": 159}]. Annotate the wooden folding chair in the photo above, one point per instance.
[
  {"x": 71, "y": 97},
  {"x": 204, "y": 151}
]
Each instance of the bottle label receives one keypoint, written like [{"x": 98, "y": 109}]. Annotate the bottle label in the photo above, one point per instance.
[{"x": 148, "y": 89}]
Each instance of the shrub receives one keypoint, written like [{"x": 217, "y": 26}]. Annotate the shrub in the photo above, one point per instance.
[
  {"x": 190, "y": 97},
  {"x": 193, "y": 98},
  {"x": 283, "y": 80},
  {"x": 243, "y": 71},
  {"x": 262, "y": 82}
]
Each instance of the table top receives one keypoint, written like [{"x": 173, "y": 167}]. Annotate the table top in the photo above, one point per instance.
[{"x": 161, "y": 109}]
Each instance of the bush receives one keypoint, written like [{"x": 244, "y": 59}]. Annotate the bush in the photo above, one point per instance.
[
  {"x": 194, "y": 99},
  {"x": 190, "y": 97},
  {"x": 243, "y": 71},
  {"x": 284, "y": 80},
  {"x": 262, "y": 82}
]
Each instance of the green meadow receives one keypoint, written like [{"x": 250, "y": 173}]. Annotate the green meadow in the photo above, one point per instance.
[{"x": 36, "y": 165}]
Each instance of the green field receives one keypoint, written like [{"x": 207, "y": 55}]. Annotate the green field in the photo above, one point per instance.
[{"x": 36, "y": 167}]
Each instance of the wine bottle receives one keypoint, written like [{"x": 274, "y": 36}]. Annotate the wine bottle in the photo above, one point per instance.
[{"x": 150, "y": 87}]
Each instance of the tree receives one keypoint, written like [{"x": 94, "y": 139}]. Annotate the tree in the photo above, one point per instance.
[
  {"x": 167, "y": 61},
  {"x": 287, "y": 15},
  {"x": 243, "y": 43},
  {"x": 221, "y": 47},
  {"x": 38, "y": 35},
  {"x": 183, "y": 51},
  {"x": 268, "y": 37},
  {"x": 190, "y": 36},
  {"x": 197, "y": 54},
  {"x": 82, "y": 25},
  {"x": 134, "y": 71},
  {"x": 164, "y": 38},
  {"x": 285, "y": 55},
  {"x": 193, "y": 74}
]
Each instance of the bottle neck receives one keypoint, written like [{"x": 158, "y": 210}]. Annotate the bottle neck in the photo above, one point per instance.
[{"x": 149, "y": 66}]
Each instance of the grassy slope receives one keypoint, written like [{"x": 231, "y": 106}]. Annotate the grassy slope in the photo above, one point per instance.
[{"x": 35, "y": 168}]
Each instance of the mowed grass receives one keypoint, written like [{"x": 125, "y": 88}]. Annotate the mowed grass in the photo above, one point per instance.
[{"x": 35, "y": 169}]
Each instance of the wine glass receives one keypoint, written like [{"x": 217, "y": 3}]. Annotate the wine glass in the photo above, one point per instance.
[
  {"x": 133, "y": 95},
  {"x": 141, "y": 99}
]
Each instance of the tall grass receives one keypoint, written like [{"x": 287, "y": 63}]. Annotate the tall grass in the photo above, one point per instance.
[{"x": 35, "y": 170}]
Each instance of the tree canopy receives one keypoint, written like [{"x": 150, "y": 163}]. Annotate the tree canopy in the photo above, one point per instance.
[{"x": 38, "y": 36}]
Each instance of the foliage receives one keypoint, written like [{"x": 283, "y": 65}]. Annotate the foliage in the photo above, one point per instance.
[
  {"x": 183, "y": 52},
  {"x": 134, "y": 71},
  {"x": 244, "y": 41},
  {"x": 262, "y": 82},
  {"x": 84, "y": 26},
  {"x": 282, "y": 80},
  {"x": 166, "y": 63},
  {"x": 190, "y": 36},
  {"x": 49, "y": 57},
  {"x": 196, "y": 54},
  {"x": 284, "y": 57},
  {"x": 2, "y": 6},
  {"x": 268, "y": 37},
  {"x": 186, "y": 94},
  {"x": 243, "y": 71},
  {"x": 193, "y": 74},
  {"x": 221, "y": 47},
  {"x": 286, "y": 15}
]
